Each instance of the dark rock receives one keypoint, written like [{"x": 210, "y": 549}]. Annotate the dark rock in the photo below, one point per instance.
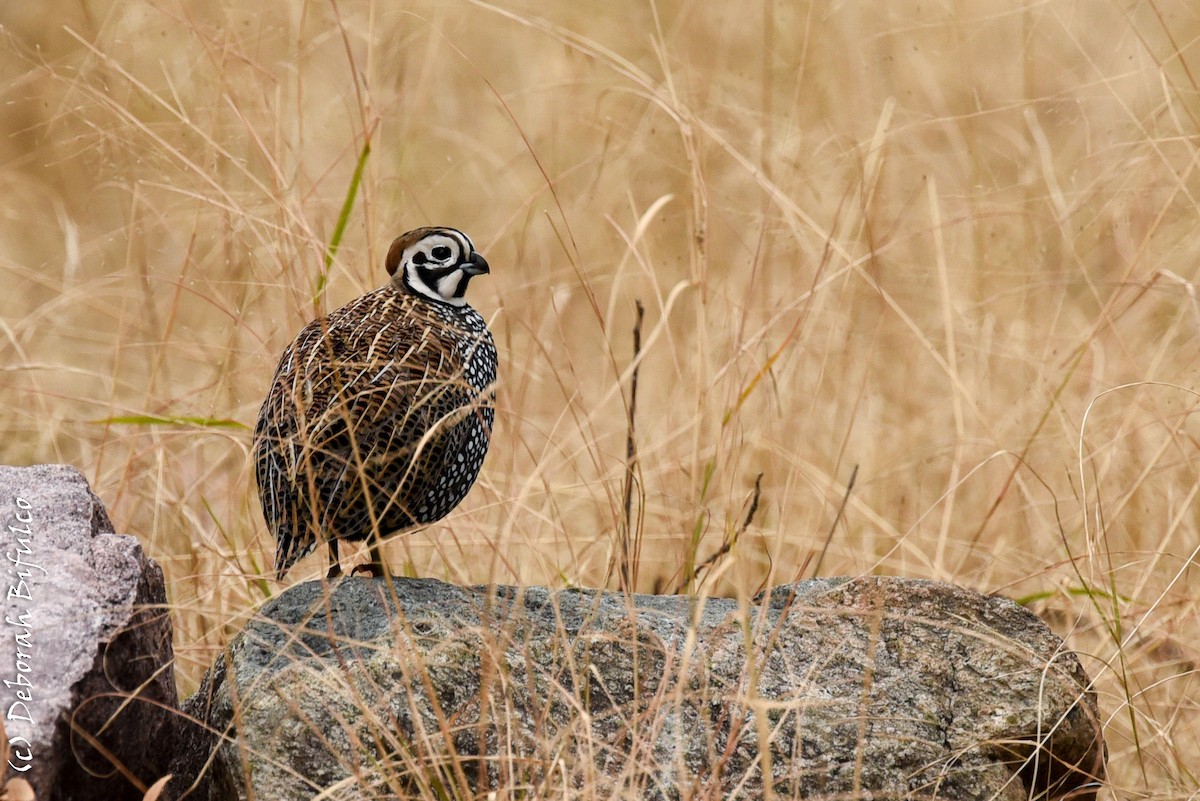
[
  {"x": 85, "y": 647},
  {"x": 872, "y": 688}
]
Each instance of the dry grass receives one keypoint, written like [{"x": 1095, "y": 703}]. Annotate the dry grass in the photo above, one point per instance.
[{"x": 954, "y": 248}]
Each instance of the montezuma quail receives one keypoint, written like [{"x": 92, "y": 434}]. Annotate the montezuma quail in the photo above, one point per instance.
[{"x": 380, "y": 413}]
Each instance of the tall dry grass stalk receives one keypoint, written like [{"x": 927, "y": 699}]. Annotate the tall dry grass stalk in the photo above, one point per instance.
[{"x": 954, "y": 247}]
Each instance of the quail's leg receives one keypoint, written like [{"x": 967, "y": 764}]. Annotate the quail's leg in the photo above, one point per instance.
[
  {"x": 375, "y": 567},
  {"x": 335, "y": 569}
]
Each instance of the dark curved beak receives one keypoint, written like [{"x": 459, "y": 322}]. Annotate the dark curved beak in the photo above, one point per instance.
[{"x": 476, "y": 265}]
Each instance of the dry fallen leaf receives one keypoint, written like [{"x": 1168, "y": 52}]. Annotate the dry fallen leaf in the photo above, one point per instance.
[
  {"x": 18, "y": 790},
  {"x": 157, "y": 788}
]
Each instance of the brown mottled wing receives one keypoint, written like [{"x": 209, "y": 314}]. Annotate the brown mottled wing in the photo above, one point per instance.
[{"x": 359, "y": 420}]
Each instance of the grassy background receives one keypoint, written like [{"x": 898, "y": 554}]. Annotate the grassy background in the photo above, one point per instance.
[{"x": 952, "y": 246}]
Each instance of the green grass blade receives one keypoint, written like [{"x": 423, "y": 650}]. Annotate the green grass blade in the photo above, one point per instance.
[
  {"x": 156, "y": 420},
  {"x": 343, "y": 219}
]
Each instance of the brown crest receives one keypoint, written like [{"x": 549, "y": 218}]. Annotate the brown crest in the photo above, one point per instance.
[{"x": 400, "y": 245}]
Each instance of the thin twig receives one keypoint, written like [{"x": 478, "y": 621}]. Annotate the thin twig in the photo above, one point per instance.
[
  {"x": 630, "y": 544},
  {"x": 833, "y": 527},
  {"x": 732, "y": 540}
]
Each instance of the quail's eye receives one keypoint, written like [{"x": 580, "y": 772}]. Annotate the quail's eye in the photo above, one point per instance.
[{"x": 441, "y": 253}]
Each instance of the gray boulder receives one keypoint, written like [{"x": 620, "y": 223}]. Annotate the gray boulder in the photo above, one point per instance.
[
  {"x": 871, "y": 688},
  {"x": 85, "y": 644}
]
